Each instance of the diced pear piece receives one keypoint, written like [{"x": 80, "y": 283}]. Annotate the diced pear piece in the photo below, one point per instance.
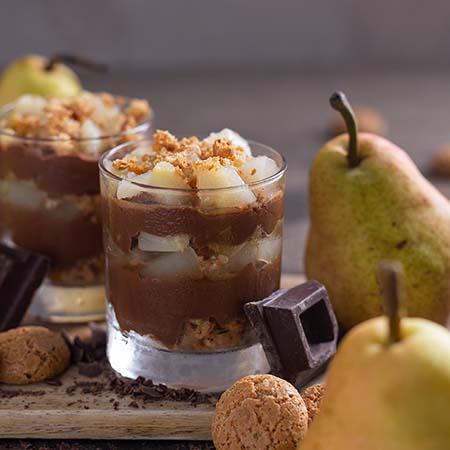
[
  {"x": 258, "y": 168},
  {"x": 269, "y": 249},
  {"x": 22, "y": 194},
  {"x": 127, "y": 189},
  {"x": 91, "y": 132},
  {"x": 30, "y": 104},
  {"x": 152, "y": 243},
  {"x": 142, "y": 150},
  {"x": 166, "y": 175},
  {"x": 241, "y": 256},
  {"x": 172, "y": 265},
  {"x": 232, "y": 136},
  {"x": 238, "y": 256},
  {"x": 219, "y": 176}
]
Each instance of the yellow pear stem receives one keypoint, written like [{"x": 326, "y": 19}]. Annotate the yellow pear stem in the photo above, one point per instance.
[
  {"x": 339, "y": 102},
  {"x": 390, "y": 274},
  {"x": 75, "y": 60}
]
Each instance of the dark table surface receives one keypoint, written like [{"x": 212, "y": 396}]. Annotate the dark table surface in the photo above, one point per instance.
[{"x": 288, "y": 110}]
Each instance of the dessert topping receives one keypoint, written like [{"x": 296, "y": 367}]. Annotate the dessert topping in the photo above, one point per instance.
[{"x": 87, "y": 116}]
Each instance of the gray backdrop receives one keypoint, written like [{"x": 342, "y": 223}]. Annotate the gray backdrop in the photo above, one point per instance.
[
  {"x": 168, "y": 34},
  {"x": 263, "y": 67}
]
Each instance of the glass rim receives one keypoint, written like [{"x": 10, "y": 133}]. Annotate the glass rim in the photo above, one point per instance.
[
  {"x": 141, "y": 127},
  {"x": 270, "y": 179}
]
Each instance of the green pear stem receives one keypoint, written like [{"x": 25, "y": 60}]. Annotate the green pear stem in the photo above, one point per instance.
[
  {"x": 390, "y": 274},
  {"x": 339, "y": 102},
  {"x": 75, "y": 60}
]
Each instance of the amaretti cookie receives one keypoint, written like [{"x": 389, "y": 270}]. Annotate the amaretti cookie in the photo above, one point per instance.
[
  {"x": 32, "y": 354},
  {"x": 312, "y": 397},
  {"x": 260, "y": 412}
]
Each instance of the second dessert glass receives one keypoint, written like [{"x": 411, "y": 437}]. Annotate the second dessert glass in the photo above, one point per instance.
[
  {"x": 179, "y": 268},
  {"x": 51, "y": 197}
]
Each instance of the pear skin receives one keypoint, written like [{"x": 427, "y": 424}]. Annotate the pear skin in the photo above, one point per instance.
[
  {"x": 27, "y": 75},
  {"x": 381, "y": 209},
  {"x": 382, "y": 396}
]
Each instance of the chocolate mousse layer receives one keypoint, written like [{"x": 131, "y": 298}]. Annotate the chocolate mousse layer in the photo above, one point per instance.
[
  {"x": 162, "y": 308},
  {"x": 127, "y": 219},
  {"x": 63, "y": 241},
  {"x": 52, "y": 172}
]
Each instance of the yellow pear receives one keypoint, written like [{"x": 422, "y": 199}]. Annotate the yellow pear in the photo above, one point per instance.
[
  {"x": 388, "y": 387},
  {"x": 35, "y": 74},
  {"x": 369, "y": 202}
]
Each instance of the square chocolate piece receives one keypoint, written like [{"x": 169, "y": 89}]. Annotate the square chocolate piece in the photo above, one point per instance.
[
  {"x": 297, "y": 329},
  {"x": 21, "y": 273}
]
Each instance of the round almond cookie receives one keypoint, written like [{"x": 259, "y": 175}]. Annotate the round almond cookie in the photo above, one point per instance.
[
  {"x": 260, "y": 412},
  {"x": 32, "y": 354},
  {"x": 312, "y": 398}
]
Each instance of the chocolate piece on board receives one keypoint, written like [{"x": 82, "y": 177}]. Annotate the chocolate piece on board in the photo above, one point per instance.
[
  {"x": 297, "y": 329},
  {"x": 21, "y": 273}
]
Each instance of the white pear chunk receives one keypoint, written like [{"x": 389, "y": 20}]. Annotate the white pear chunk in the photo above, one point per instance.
[
  {"x": 142, "y": 150},
  {"x": 221, "y": 177},
  {"x": 152, "y": 243},
  {"x": 269, "y": 249},
  {"x": 258, "y": 168},
  {"x": 172, "y": 265},
  {"x": 232, "y": 136},
  {"x": 241, "y": 256},
  {"x": 30, "y": 104},
  {"x": 238, "y": 256},
  {"x": 91, "y": 132},
  {"x": 166, "y": 175},
  {"x": 127, "y": 189},
  {"x": 22, "y": 194}
]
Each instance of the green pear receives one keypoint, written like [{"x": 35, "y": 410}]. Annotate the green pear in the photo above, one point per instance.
[
  {"x": 369, "y": 202},
  {"x": 387, "y": 388},
  {"x": 33, "y": 74}
]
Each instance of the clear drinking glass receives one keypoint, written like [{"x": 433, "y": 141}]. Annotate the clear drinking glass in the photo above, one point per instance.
[
  {"x": 178, "y": 273},
  {"x": 51, "y": 205}
]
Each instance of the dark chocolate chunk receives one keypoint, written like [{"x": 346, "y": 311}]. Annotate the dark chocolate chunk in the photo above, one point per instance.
[
  {"x": 98, "y": 335},
  {"x": 21, "y": 273},
  {"x": 297, "y": 329},
  {"x": 90, "y": 369}
]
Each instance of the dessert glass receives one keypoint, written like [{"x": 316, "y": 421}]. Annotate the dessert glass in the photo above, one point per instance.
[
  {"x": 51, "y": 205},
  {"x": 178, "y": 273}
]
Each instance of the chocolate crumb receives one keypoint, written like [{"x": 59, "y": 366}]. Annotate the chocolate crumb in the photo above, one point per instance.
[
  {"x": 54, "y": 382},
  {"x": 12, "y": 393}
]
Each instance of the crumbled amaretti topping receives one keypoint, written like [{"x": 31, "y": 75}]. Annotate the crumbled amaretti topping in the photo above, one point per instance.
[
  {"x": 221, "y": 160},
  {"x": 87, "y": 116},
  {"x": 187, "y": 156}
]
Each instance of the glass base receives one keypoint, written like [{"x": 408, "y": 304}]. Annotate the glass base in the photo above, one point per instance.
[
  {"x": 132, "y": 355},
  {"x": 67, "y": 304}
]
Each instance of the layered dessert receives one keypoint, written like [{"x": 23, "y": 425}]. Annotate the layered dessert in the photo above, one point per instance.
[
  {"x": 192, "y": 231},
  {"x": 49, "y": 151}
]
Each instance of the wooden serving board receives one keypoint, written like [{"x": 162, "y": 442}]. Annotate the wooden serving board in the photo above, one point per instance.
[{"x": 45, "y": 411}]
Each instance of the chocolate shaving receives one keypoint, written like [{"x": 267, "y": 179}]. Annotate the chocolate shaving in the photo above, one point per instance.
[
  {"x": 53, "y": 382},
  {"x": 12, "y": 393}
]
